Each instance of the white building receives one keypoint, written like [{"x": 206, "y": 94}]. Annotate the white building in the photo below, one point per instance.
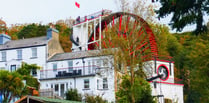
[{"x": 89, "y": 71}]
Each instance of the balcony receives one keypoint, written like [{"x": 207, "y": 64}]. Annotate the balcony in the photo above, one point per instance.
[
  {"x": 92, "y": 16},
  {"x": 69, "y": 72}
]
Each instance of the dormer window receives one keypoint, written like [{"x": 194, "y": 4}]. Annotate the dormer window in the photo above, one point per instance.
[
  {"x": 19, "y": 54},
  {"x": 3, "y": 56},
  {"x": 34, "y": 52}
]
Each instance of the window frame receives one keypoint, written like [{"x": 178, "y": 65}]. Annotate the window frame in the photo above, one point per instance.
[
  {"x": 70, "y": 68},
  {"x": 11, "y": 69},
  {"x": 34, "y": 72},
  {"x": 53, "y": 65},
  {"x": 19, "y": 54},
  {"x": 34, "y": 51},
  {"x": 4, "y": 57},
  {"x": 105, "y": 83},
  {"x": 86, "y": 84}
]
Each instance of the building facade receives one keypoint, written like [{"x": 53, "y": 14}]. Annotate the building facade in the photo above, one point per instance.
[{"x": 87, "y": 71}]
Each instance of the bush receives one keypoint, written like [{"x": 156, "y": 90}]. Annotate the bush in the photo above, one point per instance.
[
  {"x": 94, "y": 99},
  {"x": 73, "y": 95}
]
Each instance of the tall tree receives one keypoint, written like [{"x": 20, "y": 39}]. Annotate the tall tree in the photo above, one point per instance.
[{"x": 185, "y": 12}]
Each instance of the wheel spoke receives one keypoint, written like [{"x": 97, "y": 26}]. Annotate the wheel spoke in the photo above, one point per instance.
[
  {"x": 139, "y": 47},
  {"x": 133, "y": 27},
  {"x": 127, "y": 26}
]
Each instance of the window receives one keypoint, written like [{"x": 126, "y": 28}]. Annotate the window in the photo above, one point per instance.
[
  {"x": 34, "y": 52},
  {"x": 105, "y": 84},
  {"x": 13, "y": 68},
  {"x": 54, "y": 67},
  {"x": 19, "y": 54},
  {"x": 70, "y": 66},
  {"x": 98, "y": 63},
  {"x": 34, "y": 72},
  {"x": 97, "y": 83},
  {"x": 66, "y": 86},
  {"x": 89, "y": 67},
  {"x": 3, "y": 56},
  {"x": 105, "y": 62},
  {"x": 86, "y": 83},
  {"x": 56, "y": 88}
]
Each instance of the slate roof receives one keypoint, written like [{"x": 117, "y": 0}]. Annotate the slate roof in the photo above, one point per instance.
[
  {"x": 80, "y": 54},
  {"x": 23, "y": 43}
]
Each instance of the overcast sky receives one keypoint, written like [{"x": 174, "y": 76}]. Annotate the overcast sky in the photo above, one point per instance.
[
  {"x": 29, "y": 11},
  {"x": 45, "y": 11}
]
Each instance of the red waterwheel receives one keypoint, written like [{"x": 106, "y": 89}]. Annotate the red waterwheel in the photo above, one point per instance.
[{"x": 130, "y": 27}]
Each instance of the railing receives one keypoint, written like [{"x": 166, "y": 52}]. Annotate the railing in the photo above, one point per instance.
[
  {"x": 92, "y": 16},
  {"x": 49, "y": 93},
  {"x": 69, "y": 72}
]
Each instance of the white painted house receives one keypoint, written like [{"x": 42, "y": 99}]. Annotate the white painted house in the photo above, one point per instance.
[{"x": 88, "y": 71}]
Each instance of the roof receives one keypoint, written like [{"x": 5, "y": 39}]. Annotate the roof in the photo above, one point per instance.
[
  {"x": 80, "y": 54},
  {"x": 23, "y": 43},
  {"x": 44, "y": 100}
]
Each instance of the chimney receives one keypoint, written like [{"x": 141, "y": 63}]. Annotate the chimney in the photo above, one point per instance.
[
  {"x": 54, "y": 45},
  {"x": 51, "y": 32},
  {"x": 4, "y": 38}
]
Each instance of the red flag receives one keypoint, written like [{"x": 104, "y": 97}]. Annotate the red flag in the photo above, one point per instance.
[{"x": 77, "y": 4}]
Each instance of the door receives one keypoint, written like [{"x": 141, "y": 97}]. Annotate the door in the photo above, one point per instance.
[{"x": 62, "y": 91}]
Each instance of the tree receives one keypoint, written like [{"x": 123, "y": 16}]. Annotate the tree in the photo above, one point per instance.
[
  {"x": 64, "y": 32},
  {"x": 11, "y": 85},
  {"x": 185, "y": 12},
  {"x": 138, "y": 7},
  {"x": 140, "y": 90},
  {"x": 72, "y": 94},
  {"x": 199, "y": 74},
  {"x": 25, "y": 70},
  {"x": 32, "y": 30}
]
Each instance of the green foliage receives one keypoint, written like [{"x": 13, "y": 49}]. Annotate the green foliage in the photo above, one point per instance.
[
  {"x": 94, "y": 99},
  {"x": 192, "y": 64},
  {"x": 32, "y": 30},
  {"x": 64, "y": 36},
  {"x": 140, "y": 91},
  {"x": 190, "y": 54},
  {"x": 26, "y": 69},
  {"x": 185, "y": 12},
  {"x": 199, "y": 74},
  {"x": 31, "y": 81},
  {"x": 73, "y": 95},
  {"x": 10, "y": 84}
]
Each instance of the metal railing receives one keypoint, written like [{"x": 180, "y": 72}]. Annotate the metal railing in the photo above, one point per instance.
[
  {"x": 92, "y": 16},
  {"x": 69, "y": 72}
]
